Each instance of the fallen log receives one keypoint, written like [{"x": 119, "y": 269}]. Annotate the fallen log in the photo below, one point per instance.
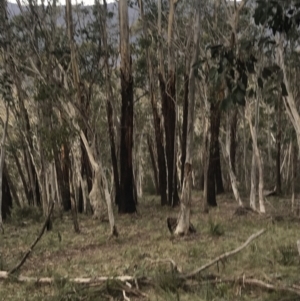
[{"x": 49, "y": 280}]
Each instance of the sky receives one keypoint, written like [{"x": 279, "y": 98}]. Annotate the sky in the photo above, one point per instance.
[{"x": 86, "y": 2}]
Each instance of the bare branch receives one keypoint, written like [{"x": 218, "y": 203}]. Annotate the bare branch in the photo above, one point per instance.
[
  {"x": 19, "y": 265},
  {"x": 223, "y": 256}
]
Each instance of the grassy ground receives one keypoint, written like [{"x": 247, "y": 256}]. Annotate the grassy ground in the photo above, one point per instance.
[{"x": 144, "y": 237}]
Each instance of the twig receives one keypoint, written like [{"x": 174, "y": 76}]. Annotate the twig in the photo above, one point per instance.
[
  {"x": 223, "y": 256},
  {"x": 19, "y": 265},
  {"x": 125, "y": 297}
]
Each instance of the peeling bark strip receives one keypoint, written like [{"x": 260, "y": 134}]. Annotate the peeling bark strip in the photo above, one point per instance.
[
  {"x": 127, "y": 203},
  {"x": 153, "y": 162}
]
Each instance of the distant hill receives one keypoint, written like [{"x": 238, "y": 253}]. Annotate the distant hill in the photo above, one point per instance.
[{"x": 133, "y": 13}]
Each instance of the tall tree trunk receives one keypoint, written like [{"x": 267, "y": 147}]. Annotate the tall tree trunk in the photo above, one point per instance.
[
  {"x": 278, "y": 144},
  {"x": 127, "y": 203},
  {"x": 153, "y": 162},
  {"x": 253, "y": 131},
  {"x": 212, "y": 163},
  {"x": 233, "y": 126},
  {"x": 7, "y": 202},
  {"x": 184, "y": 122},
  {"x": 73, "y": 201},
  {"x": 109, "y": 107},
  {"x": 2, "y": 157},
  {"x": 11, "y": 186},
  {"x": 168, "y": 92},
  {"x": 186, "y": 196},
  {"x": 227, "y": 155}
]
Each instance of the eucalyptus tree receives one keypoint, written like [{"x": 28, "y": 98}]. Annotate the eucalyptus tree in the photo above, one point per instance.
[
  {"x": 281, "y": 21},
  {"x": 186, "y": 196},
  {"x": 168, "y": 95}
]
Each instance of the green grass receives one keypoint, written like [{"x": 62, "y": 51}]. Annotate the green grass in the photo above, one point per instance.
[{"x": 145, "y": 237}]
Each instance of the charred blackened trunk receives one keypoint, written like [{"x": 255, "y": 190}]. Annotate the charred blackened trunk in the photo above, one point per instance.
[
  {"x": 216, "y": 149},
  {"x": 218, "y": 175},
  {"x": 6, "y": 196},
  {"x": 63, "y": 177},
  {"x": 233, "y": 126},
  {"x": 184, "y": 124},
  {"x": 153, "y": 162},
  {"x": 212, "y": 164},
  {"x": 278, "y": 142},
  {"x": 127, "y": 202},
  {"x": 169, "y": 113}
]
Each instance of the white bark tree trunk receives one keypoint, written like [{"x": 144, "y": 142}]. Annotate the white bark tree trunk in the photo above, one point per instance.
[
  {"x": 259, "y": 164},
  {"x": 289, "y": 102},
  {"x": 100, "y": 177},
  {"x": 186, "y": 196},
  {"x": 226, "y": 154}
]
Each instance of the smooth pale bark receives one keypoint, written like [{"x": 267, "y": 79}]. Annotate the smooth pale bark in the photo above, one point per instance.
[
  {"x": 289, "y": 103},
  {"x": 278, "y": 145},
  {"x": 253, "y": 182},
  {"x": 153, "y": 162},
  {"x": 100, "y": 177},
  {"x": 183, "y": 224},
  {"x": 294, "y": 174},
  {"x": 73, "y": 201},
  {"x": 2, "y": 157},
  {"x": 245, "y": 154},
  {"x": 259, "y": 165},
  {"x": 227, "y": 156}
]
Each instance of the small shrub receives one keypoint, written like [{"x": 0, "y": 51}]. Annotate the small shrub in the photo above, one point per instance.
[
  {"x": 216, "y": 229},
  {"x": 288, "y": 255}
]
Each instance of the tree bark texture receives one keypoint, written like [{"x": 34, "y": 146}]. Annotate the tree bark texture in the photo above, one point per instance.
[
  {"x": 214, "y": 175},
  {"x": 153, "y": 162},
  {"x": 278, "y": 145},
  {"x": 169, "y": 113},
  {"x": 184, "y": 124},
  {"x": 6, "y": 196},
  {"x": 233, "y": 127},
  {"x": 127, "y": 203}
]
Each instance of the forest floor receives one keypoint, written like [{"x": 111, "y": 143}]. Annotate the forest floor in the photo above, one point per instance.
[{"x": 144, "y": 238}]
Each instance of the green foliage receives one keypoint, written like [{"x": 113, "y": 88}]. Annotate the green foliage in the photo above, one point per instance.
[{"x": 215, "y": 228}]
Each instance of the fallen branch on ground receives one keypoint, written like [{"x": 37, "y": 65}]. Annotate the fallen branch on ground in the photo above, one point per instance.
[
  {"x": 258, "y": 283},
  {"x": 19, "y": 265},
  {"x": 223, "y": 256},
  {"x": 79, "y": 280}
]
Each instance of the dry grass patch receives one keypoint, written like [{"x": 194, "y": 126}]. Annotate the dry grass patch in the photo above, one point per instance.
[{"x": 145, "y": 238}]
